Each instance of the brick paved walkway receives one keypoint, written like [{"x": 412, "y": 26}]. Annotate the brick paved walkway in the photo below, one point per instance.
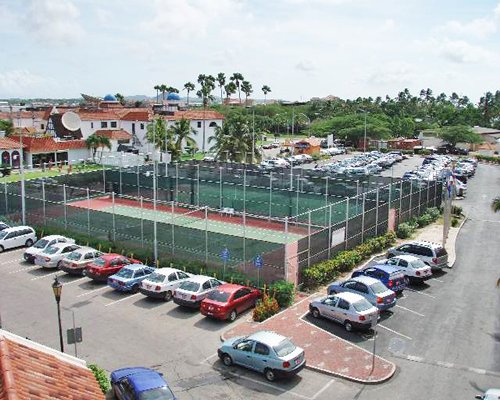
[{"x": 324, "y": 352}]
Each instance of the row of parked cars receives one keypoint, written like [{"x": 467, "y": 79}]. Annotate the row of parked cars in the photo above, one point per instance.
[{"x": 357, "y": 302}]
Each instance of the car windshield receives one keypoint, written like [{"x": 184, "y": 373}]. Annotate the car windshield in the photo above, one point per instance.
[
  {"x": 99, "y": 262},
  {"x": 362, "y": 305},
  {"x": 3, "y": 234},
  {"x": 190, "y": 286},
  {"x": 417, "y": 264},
  {"x": 284, "y": 348},
  {"x": 52, "y": 250},
  {"x": 219, "y": 296},
  {"x": 378, "y": 287},
  {"x": 125, "y": 273},
  {"x": 41, "y": 244},
  {"x": 163, "y": 393},
  {"x": 74, "y": 256},
  {"x": 156, "y": 278}
]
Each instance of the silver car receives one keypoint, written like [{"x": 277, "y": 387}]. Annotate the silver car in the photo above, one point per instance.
[
  {"x": 349, "y": 309},
  {"x": 267, "y": 352},
  {"x": 432, "y": 254},
  {"x": 413, "y": 267},
  {"x": 191, "y": 292},
  {"x": 52, "y": 256}
]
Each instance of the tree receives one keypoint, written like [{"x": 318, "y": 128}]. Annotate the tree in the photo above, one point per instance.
[
  {"x": 181, "y": 133},
  {"x": 495, "y": 204},
  {"x": 94, "y": 141},
  {"x": 246, "y": 87},
  {"x": 266, "y": 89},
  {"x": 459, "y": 134},
  {"x": 7, "y": 126},
  {"x": 163, "y": 89},
  {"x": 120, "y": 98},
  {"x": 221, "y": 80},
  {"x": 156, "y": 134},
  {"x": 189, "y": 87},
  {"x": 207, "y": 83},
  {"x": 230, "y": 89},
  {"x": 171, "y": 89},
  {"x": 237, "y": 78},
  {"x": 157, "y": 88}
]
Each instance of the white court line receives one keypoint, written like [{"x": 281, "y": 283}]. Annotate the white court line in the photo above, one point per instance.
[
  {"x": 125, "y": 298},
  {"x": 92, "y": 291},
  {"x": 423, "y": 294},
  {"x": 76, "y": 280},
  {"x": 407, "y": 309},
  {"x": 45, "y": 276},
  {"x": 397, "y": 333},
  {"x": 24, "y": 269},
  {"x": 12, "y": 261},
  {"x": 436, "y": 279}
]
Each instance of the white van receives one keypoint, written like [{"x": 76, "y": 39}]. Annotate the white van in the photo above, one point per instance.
[{"x": 16, "y": 237}]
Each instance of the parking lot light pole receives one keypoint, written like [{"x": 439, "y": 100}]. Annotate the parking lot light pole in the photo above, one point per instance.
[{"x": 57, "y": 289}]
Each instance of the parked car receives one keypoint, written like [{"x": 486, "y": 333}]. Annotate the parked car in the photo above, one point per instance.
[
  {"x": 370, "y": 288},
  {"x": 106, "y": 265},
  {"x": 16, "y": 236},
  {"x": 392, "y": 277},
  {"x": 432, "y": 254},
  {"x": 140, "y": 383},
  {"x": 3, "y": 226},
  {"x": 52, "y": 256},
  {"x": 191, "y": 292},
  {"x": 267, "y": 352},
  {"x": 76, "y": 261},
  {"x": 162, "y": 283},
  {"x": 229, "y": 300},
  {"x": 42, "y": 244},
  {"x": 129, "y": 278},
  {"x": 490, "y": 394},
  {"x": 349, "y": 309},
  {"x": 413, "y": 267}
]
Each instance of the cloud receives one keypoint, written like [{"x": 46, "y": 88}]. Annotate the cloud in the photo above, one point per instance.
[
  {"x": 306, "y": 66},
  {"x": 480, "y": 28},
  {"x": 462, "y": 52},
  {"x": 17, "y": 81},
  {"x": 54, "y": 22},
  {"x": 396, "y": 73}
]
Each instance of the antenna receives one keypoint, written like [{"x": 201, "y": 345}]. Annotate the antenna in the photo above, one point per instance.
[{"x": 71, "y": 121}]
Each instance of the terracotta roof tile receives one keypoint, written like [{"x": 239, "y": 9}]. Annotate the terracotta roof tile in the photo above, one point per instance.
[
  {"x": 114, "y": 134},
  {"x": 23, "y": 115},
  {"x": 9, "y": 144},
  {"x": 194, "y": 115},
  {"x": 137, "y": 115},
  {"x": 98, "y": 115},
  {"x": 47, "y": 144}
]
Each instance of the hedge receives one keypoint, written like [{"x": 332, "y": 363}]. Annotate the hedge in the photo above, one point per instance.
[
  {"x": 495, "y": 160},
  {"x": 406, "y": 229},
  {"x": 326, "y": 271},
  {"x": 101, "y": 377}
]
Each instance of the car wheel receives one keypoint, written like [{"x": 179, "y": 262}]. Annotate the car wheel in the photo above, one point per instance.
[
  {"x": 1, "y": 249},
  {"x": 316, "y": 313},
  {"x": 135, "y": 288},
  {"x": 348, "y": 326},
  {"x": 227, "y": 360},
  {"x": 168, "y": 295},
  {"x": 59, "y": 265},
  {"x": 232, "y": 316},
  {"x": 84, "y": 272},
  {"x": 269, "y": 374},
  {"x": 29, "y": 243}
]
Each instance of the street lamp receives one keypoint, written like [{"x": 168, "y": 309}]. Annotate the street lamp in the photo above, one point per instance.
[
  {"x": 308, "y": 120},
  {"x": 364, "y": 138},
  {"x": 57, "y": 289}
]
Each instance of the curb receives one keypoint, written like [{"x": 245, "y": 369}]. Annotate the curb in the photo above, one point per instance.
[{"x": 455, "y": 242}]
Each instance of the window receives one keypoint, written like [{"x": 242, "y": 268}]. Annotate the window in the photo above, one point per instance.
[
  {"x": 182, "y": 275},
  {"x": 11, "y": 235},
  {"x": 361, "y": 288},
  {"x": 212, "y": 124},
  {"x": 392, "y": 261},
  {"x": 261, "y": 349},
  {"x": 330, "y": 301},
  {"x": 42, "y": 126},
  {"x": 139, "y": 273},
  {"x": 246, "y": 345},
  {"x": 206, "y": 285},
  {"x": 198, "y": 124},
  {"x": 113, "y": 124},
  {"x": 403, "y": 263},
  {"x": 142, "y": 126},
  {"x": 427, "y": 252},
  {"x": 92, "y": 125},
  {"x": 214, "y": 282},
  {"x": 350, "y": 285},
  {"x": 343, "y": 304},
  {"x": 241, "y": 293},
  {"x": 405, "y": 247},
  {"x": 172, "y": 277},
  {"x": 89, "y": 256},
  {"x": 104, "y": 124}
]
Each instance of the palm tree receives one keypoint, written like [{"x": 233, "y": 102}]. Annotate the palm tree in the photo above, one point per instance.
[
  {"x": 156, "y": 134},
  {"x": 495, "y": 204},
  {"x": 171, "y": 89},
  {"x": 246, "y": 87},
  {"x": 120, "y": 98},
  {"x": 157, "y": 88},
  {"x": 237, "y": 78},
  {"x": 189, "y": 87},
  {"x": 181, "y": 133},
  {"x": 230, "y": 89},
  {"x": 221, "y": 79},
  {"x": 163, "y": 89},
  {"x": 207, "y": 83},
  {"x": 266, "y": 89},
  {"x": 94, "y": 141}
]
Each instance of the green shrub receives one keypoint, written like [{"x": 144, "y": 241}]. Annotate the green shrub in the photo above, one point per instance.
[
  {"x": 433, "y": 212},
  {"x": 265, "y": 308},
  {"x": 495, "y": 160},
  {"x": 455, "y": 222},
  {"x": 101, "y": 376},
  {"x": 283, "y": 292},
  {"x": 424, "y": 220},
  {"x": 456, "y": 210},
  {"x": 404, "y": 230}
]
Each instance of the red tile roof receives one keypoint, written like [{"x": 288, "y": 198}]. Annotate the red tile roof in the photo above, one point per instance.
[
  {"x": 98, "y": 115},
  {"x": 137, "y": 115},
  {"x": 194, "y": 115},
  {"x": 114, "y": 134},
  {"x": 23, "y": 115},
  {"x": 29, "y": 370},
  {"x": 47, "y": 144},
  {"x": 9, "y": 144}
]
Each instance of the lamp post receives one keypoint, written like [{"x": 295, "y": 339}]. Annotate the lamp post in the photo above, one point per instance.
[
  {"x": 57, "y": 289},
  {"x": 364, "y": 137},
  {"x": 308, "y": 120}
]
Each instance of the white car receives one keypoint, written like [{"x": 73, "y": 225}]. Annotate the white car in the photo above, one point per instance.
[
  {"x": 162, "y": 283},
  {"x": 52, "y": 256},
  {"x": 413, "y": 267},
  {"x": 16, "y": 237},
  {"x": 76, "y": 261},
  {"x": 42, "y": 244},
  {"x": 191, "y": 292}
]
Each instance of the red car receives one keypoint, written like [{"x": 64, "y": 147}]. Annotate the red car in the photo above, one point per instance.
[
  {"x": 107, "y": 265},
  {"x": 229, "y": 300}
]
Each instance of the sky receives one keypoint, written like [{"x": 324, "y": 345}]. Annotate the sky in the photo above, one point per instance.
[{"x": 300, "y": 48}]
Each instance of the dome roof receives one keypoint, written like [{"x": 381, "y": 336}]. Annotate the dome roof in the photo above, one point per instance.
[
  {"x": 110, "y": 97},
  {"x": 173, "y": 96}
]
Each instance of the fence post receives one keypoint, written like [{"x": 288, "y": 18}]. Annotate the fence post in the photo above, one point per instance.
[
  {"x": 245, "y": 190},
  {"x": 286, "y": 249},
  {"x": 244, "y": 240},
  {"x": 435, "y": 192},
  {"x": 309, "y": 238},
  {"x": 298, "y": 190},
  {"x": 206, "y": 236},
  {"x": 357, "y": 196},
  {"x": 138, "y": 183},
  {"x": 400, "y": 199},
  {"x": 103, "y": 177},
  {"x": 221, "y": 203},
  {"x": 198, "y": 186},
  {"x": 376, "y": 211},
  {"x": 6, "y": 199},
  {"x": 88, "y": 211},
  {"x": 121, "y": 166},
  {"x": 411, "y": 195},
  {"x": 43, "y": 202},
  {"x": 329, "y": 230},
  {"x": 419, "y": 198},
  {"x": 142, "y": 223},
  {"x": 113, "y": 210},
  {"x": 176, "y": 183},
  {"x": 270, "y": 194},
  {"x": 363, "y": 219},
  {"x": 173, "y": 226},
  {"x": 64, "y": 207},
  {"x": 346, "y": 221},
  {"x": 427, "y": 201}
]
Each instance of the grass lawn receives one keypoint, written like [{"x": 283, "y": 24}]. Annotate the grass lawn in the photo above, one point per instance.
[
  {"x": 197, "y": 156},
  {"x": 16, "y": 176}
]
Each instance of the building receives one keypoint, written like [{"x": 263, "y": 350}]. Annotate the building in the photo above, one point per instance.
[
  {"x": 29, "y": 370},
  {"x": 403, "y": 144},
  {"x": 115, "y": 136},
  {"x": 10, "y": 152},
  {"x": 305, "y": 146}
]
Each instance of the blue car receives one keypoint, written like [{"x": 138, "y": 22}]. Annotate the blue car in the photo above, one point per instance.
[
  {"x": 129, "y": 278},
  {"x": 392, "y": 277},
  {"x": 139, "y": 383}
]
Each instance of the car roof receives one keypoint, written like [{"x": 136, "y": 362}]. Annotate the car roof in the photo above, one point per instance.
[
  {"x": 142, "y": 378},
  {"x": 61, "y": 245},
  {"x": 50, "y": 237},
  {"x": 495, "y": 392},
  {"x": 229, "y": 287},
  {"x": 166, "y": 270},
  {"x": 16, "y": 228},
  {"x": 107, "y": 256},
  {"x": 390, "y": 269},
  {"x": 133, "y": 267},
  {"x": 426, "y": 244},
  {"x": 407, "y": 257},
  {"x": 200, "y": 278},
  {"x": 84, "y": 249},
  {"x": 350, "y": 297},
  {"x": 267, "y": 337},
  {"x": 367, "y": 280}
]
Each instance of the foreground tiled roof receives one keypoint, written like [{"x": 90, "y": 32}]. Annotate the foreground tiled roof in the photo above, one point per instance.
[
  {"x": 98, "y": 115},
  {"x": 194, "y": 115},
  {"x": 48, "y": 144},
  {"x": 23, "y": 115},
  {"x": 9, "y": 144},
  {"x": 136, "y": 115},
  {"x": 29, "y": 370},
  {"x": 114, "y": 134}
]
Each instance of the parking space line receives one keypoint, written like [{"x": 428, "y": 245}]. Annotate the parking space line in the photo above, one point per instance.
[
  {"x": 92, "y": 291},
  {"x": 438, "y": 280},
  {"x": 326, "y": 386},
  {"x": 205, "y": 361},
  {"x": 24, "y": 269},
  {"x": 45, "y": 276},
  {"x": 120, "y": 300},
  {"x": 397, "y": 333},
  {"x": 12, "y": 261},
  {"x": 75, "y": 281},
  {"x": 407, "y": 309},
  {"x": 423, "y": 294}
]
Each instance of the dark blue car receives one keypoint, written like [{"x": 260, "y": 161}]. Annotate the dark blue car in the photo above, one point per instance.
[
  {"x": 129, "y": 278},
  {"x": 390, "y": 276},
  {"x": 140, "y": 383}
]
